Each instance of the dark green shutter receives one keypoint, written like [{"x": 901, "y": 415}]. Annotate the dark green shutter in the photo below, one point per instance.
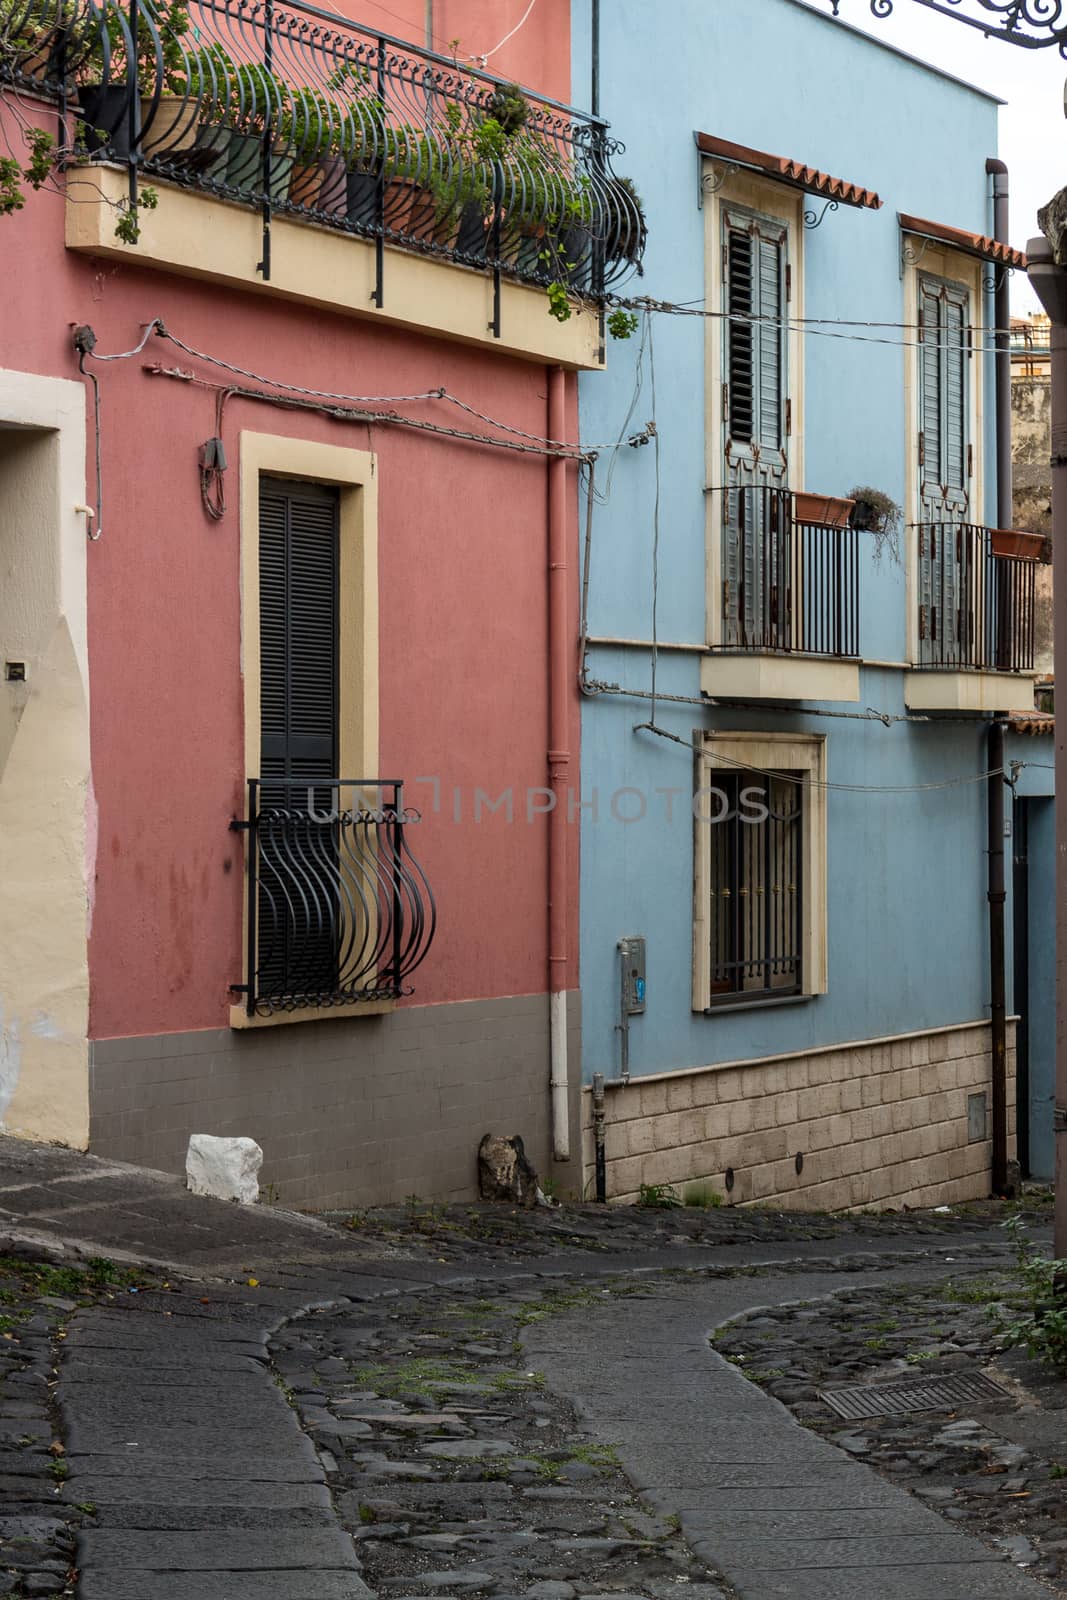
[
  {"x": 299, "y": 921},
  {"x": 298, "y": 630}
]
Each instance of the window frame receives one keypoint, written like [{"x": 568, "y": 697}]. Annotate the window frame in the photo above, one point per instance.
[
  {"x": 774, "y": 203},
  {"x": 775, "y": 752},
  {"x": 354, "y": 474},
  {"x": 959, "y": 271}
]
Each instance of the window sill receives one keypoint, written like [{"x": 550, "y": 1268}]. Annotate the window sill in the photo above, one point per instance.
[
  {"x": 240, "y": 1019},
  {"x": 757, "y": 1005}
]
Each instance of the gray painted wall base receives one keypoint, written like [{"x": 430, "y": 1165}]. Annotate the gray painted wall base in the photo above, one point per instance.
[{"x": 351, "y": 1110}]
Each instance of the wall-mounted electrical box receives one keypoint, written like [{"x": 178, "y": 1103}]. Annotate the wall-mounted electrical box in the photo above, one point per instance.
[{"x": 632, "y": 961}]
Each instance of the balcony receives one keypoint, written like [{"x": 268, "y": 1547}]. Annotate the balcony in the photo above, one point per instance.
[
  {"x": 789, "y": 627},
  {"x": 974, "y": 618},
  {"x": 273, "y": 117},
  {"x": 338, "y": 911}
]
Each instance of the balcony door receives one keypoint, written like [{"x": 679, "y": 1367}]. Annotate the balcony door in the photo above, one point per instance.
[
  {"x": 947, "y": 575},
  {"x": 299, "y": 891},
  {"x": 756, "y": 560}
]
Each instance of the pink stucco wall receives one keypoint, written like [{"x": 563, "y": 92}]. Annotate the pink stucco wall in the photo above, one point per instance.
[{"x": 463, "y": 619}]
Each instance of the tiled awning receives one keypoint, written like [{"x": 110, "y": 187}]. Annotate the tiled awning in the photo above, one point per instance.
[
  {"x": 1033, "y": 722},
  {"x": 785, "y": 170},
  {"x": 972, "y": 244}
]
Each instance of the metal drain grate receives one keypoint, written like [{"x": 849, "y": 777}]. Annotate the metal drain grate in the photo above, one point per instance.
[{"x": 893, "y": 1399}]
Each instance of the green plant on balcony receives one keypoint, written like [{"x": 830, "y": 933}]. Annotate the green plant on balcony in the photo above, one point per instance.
[
  {"x": 876, "y": 513},
  {"x": 259, "y": 111},
  {"x": 30, "y": 32}
]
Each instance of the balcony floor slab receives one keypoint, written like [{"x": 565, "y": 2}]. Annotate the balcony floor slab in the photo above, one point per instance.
[
  {"x": 750, "y": 675},
  {"x": 932, "y": 689}
]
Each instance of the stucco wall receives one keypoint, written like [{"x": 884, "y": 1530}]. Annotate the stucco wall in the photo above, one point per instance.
[
  {"x": 46, "y": 820},
  {"x": 907, "y": 927},
  {"x": 462, "y": 582},
  {"x": 1031, "y": 436}
]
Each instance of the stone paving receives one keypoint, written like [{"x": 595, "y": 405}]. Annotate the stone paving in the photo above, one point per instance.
[
  {"x": 428, "y": 1404},
  {"x": 997, "y": 1468}
]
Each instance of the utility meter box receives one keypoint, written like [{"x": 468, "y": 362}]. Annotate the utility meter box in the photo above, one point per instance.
[{"x": 632, "y": 961}]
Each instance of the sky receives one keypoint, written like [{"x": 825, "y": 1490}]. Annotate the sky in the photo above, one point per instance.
[{"x": 1033, "y": 130}]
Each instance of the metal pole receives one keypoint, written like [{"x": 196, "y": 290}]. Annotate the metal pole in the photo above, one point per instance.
[
  {"x": 598, "y": 1138},
  {"x": 1049, "y": 281},
  {"x": 997, "y": 1006}
]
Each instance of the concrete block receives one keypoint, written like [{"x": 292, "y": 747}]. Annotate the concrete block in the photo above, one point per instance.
[
  {"x": 680, "y": 1094},
  {"x": 226, "y": 1169}
]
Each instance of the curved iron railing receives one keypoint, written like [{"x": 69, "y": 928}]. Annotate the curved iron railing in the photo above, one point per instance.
[
  {"x": 339, "y": 911},
  {"x": 293, "y": 109}
]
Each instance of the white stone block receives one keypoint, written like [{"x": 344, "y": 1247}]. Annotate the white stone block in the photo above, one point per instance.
[{"x": 226, "y": 1169}]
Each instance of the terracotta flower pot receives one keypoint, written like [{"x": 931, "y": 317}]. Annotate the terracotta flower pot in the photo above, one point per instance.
[
  {"x": 305, "y": 184},
  {"x": 173, "y": 127},
  {"x": 1007, "y": 542},
  {"x": 829, "y": 511},
  {"x": 399, "y": 194}
]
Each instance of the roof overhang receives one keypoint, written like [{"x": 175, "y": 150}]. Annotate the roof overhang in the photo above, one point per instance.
[
  {"x": 970, "y": 244},
  {"x": 784, "y": 169}
]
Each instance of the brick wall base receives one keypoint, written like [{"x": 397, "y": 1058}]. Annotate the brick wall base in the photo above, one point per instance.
[
  {"x": 349, "y": 1111},
  {"x": 880, "y": 1123}
]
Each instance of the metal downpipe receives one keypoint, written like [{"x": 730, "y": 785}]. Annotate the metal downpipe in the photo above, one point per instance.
[{"x": 560, "y": 666}]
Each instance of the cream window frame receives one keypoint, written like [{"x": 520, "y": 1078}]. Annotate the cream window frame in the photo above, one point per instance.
[
  {"x": 781, "y": 204},
  {"x": 763, "y": 752},
  {"x": 966, "y": 272},
  {"x": 354, "y": 473}
]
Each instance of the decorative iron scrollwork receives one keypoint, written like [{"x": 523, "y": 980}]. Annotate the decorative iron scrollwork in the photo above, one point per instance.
[
  {"x": 1031, "y": 24},
  {"x": 811, "y": 220}
]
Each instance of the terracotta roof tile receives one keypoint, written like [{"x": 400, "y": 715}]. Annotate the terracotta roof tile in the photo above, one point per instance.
[
  {"x": 786, "y": 170},
  {"x": 1039, "y": 722},
  {"x": 973, "y": 244}
]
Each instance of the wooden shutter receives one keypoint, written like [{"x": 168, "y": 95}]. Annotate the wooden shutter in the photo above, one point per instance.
[
  {"x": 298, "y": 633},
  {"x": 771, "y": 338},
  {"x": 299, "y": 918},
  {"x": 955, "y": 362},
  {"x": 930, "y": 388},
  {"x": 741, "y": 302}
]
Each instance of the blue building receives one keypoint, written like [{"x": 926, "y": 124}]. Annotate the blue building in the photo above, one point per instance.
[{"x": 785, "y": 932}]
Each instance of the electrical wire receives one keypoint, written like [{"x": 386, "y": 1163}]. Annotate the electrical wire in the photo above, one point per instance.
[
  {"x": 484, "y": 59},
  {"x": 542, "y": 444}
]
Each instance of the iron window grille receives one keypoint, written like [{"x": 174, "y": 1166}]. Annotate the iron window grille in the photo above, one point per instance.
[
  {"x": 755, "y": 917},
  {"x": 338, "y": 910},
  {"x": 293, "y": 109}
]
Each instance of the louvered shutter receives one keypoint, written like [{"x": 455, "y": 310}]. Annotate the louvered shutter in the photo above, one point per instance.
[
  {"x": 298, "y": 633},
  {"x": 754, "y": 295},
  {"x": 770, "y": 407},
  {"x": 954, "y": 357}
]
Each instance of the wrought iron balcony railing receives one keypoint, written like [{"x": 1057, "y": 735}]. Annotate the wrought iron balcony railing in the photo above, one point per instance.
[
  {"x": 338, "y": 912},
  {"x": 294, "y": 110},
  {"x": 976, "y": 597},
  {"x": 790, "y": 583}
]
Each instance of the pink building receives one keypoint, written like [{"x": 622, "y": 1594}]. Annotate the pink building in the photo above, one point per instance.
[{"x": 310, "y": 527}]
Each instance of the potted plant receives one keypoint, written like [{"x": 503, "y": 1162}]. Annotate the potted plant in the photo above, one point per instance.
[
  {"x": 30, "y": 34},
  {"x": 104, "y": 73},
  {"x": 308, "y": 131},
  {"x": 625, "y": 228},
  {"x": 829, "y": 511},
  {"x": 876, "y": 513},
  {"x": 258, "y": 98}
]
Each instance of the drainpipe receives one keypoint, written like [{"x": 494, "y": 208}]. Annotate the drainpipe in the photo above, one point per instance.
[
  {"x": 997, "y": 1008},
  {"x": 594, "y": 88},
  {"x": 1002, "y": 313},
  {"x": 559, "y": 674},
  {"x": 995, "y": 888}
]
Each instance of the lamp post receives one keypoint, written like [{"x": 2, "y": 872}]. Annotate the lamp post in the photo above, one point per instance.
[{"x": 1048, "y": 277}]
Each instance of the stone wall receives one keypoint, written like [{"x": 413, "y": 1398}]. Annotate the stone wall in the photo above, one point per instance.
[
  {"x": 880, "y": 1123},
  {"x": 1031, "y": 434}
]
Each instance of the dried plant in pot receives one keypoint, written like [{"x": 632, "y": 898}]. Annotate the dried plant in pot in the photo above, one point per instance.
[{"x": 877, "y": 513}]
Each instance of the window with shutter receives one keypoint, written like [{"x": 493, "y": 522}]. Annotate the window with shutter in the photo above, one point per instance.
[
  {"x": 299, "y": 559},
  {"x": 755, "y": 264},
  {"x": 944, "y": 483}
]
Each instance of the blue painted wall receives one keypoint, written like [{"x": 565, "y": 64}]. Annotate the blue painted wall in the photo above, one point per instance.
[{"x": 906, "y": 882}]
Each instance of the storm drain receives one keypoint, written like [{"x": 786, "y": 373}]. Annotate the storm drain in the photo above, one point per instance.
[{"x": 895, "y": 1399}]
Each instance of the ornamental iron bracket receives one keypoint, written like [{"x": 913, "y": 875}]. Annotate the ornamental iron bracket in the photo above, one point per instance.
[
  {"x": 912, "y": 251},
  {"x": 713, "y": 180},
  {"x": 1031, "y": 24},
  {"x": 813, "y": 221}
]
